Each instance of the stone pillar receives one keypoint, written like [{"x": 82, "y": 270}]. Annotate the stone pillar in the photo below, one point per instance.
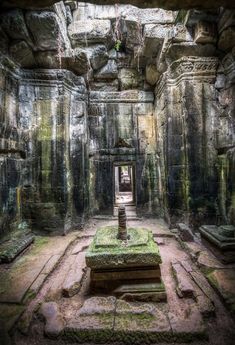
[
  {"x": 57, "y": 149},
  {"x": 122, "y": 230},
  {"x": 188, "y": 151}
]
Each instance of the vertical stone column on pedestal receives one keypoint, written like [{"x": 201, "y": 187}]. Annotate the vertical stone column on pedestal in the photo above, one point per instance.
[{"x": 122, "y": 230}]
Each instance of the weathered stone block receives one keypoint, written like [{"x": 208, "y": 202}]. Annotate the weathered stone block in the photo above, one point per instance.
[
  {"x": 185, "y": 232},
  {"x": 128, "y": 78},
  {"x": 54, "y": 320},
  {"x": 221, "y": 240},
  {"x": 151, "y": 74},
  {"x": 154, "y": 36},
  {"x": 13, "y": 24},
  {"x": 22, "y": 54},
  {"x": 46, "y": 30},
  {"x": 180, "y": 33},
  {"x": 106, "y": 251},
  {"x": 149, "y": 16},
  {"x": 98, "y": 56},
  {"x": 109, "y": 71},
  {"x": 93, "y": 31},
  {"x": 205, "y": 32},
  {"x": 10, "y": 249},
  {"x": 109, "y": 86}
]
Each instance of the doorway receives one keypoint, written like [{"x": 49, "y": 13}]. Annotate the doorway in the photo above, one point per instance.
[{"x": 124, "y": 175}]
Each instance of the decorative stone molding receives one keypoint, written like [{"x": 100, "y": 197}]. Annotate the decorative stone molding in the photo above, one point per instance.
[
  {"x": 55, "y": 78},
  {"x": 186, "y": 68},
  {"x": 130, "y": 96},
  {"x": 43, "y": 77},
  {"x": 228, "y": 64},
  {"x": 193, "y": 66}
]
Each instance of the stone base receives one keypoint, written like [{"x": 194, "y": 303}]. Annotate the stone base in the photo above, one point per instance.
[
  {"x": 220, "y": 240},
  {"x": 226, "y": 257},
  {"x": 106, "y": 252},
  {"x": 107, "y": 281},
  {"x": 149, "y": 292},
  {"x": 115, "y": 263}
]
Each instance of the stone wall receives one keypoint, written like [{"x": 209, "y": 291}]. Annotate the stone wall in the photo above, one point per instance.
[
  {"x": 115, "y": 117},
  {"x": 53, "y": 105},
  {"x": 44, "y": 156},
  {"x": 152, "y": 88},
  {"x": 12, "y": 149},
  {"x": 225, "y": 133},
  {"x": 186, "y": 121}
]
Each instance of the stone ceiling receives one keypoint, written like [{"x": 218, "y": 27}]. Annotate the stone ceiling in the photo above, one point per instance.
[{"x": 169, "y": 4}]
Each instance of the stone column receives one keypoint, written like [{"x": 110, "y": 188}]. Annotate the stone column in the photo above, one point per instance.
[{"x": 122, "y": 230}]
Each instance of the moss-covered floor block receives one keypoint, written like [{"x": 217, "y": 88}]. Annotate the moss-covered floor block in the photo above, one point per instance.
[
  {"x": 108, "y": 252},
  {"x": 109, "y": 320}
]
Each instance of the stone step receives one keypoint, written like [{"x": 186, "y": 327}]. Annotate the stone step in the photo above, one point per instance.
[
  {"x": 108, "y": 320},
  {"x": 148, "y": 292}
]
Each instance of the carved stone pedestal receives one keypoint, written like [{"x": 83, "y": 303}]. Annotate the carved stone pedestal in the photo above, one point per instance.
[
  {"x": 221, "y": 241},
  {"x": 129, "y": 269}
]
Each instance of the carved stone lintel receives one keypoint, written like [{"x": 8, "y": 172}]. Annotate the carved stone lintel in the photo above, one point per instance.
[
  {"x": 202, "y": 69},
  {"x": 193, "y": 66}
]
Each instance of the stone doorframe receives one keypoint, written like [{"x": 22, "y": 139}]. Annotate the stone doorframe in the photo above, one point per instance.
[{"x": 132, "y": 164}]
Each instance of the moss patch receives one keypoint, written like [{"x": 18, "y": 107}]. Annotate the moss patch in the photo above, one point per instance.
[{"x": 106, "y": 251}]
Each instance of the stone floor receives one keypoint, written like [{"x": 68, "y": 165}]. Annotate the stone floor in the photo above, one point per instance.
[{"x": 44, "y": 294}]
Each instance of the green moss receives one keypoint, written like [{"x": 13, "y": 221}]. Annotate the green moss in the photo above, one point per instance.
[
  {"x": 107, "y": 251},
  {"x": 39, "y": 243},
  {"x": 30, "y": 294},
  {"x": 212, "y": 280},
  {"x": 81, "y": 336},
  {"x": 181, "y": 17},
  {"x": 141, "y": 240}
]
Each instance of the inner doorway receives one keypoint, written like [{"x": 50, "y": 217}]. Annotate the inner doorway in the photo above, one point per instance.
[{"x": 124, "y": 184}]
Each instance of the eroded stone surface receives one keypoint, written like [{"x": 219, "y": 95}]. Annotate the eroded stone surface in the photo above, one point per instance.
[
  {"x": 95, "y": 31},
  {"x": 46, "y": 30},
  {"x": 185, "y": 287}
]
